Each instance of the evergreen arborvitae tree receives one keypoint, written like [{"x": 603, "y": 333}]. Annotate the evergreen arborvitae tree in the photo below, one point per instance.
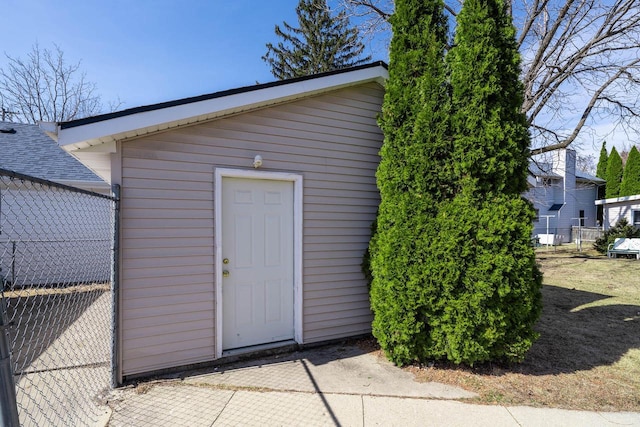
[
  {"x": 454, "y": 274},
  {"x": 490, "y": 286},
  {"x": 614, "y": 174},
  {"x": 491, "y": 134},
  {"x": 321, "y": 43},
  {"x": 414, "y": 175},
  {"x": 601, "y": 170},
  {"x": 630, "y": 184}
]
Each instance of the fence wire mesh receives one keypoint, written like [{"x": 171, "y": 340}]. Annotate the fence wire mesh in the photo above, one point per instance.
[{"x": 55, "y": 267}]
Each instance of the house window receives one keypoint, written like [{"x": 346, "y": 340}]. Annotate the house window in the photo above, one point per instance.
[
  {"x": 581, "y": 216},
  {"x": 635, "y": 215}
]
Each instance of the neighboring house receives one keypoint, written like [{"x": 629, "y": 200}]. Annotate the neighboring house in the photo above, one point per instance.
[
  {"x": 46, "y": 235},
  {"x": 244, "y": 215},
  {"x": 26, "y": 149},
  {"x": 617, "y": 208},
  {"x": 560, "y": 195}
]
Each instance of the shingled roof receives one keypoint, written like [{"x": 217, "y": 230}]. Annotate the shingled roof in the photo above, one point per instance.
[{"x": 26, "y": 149}]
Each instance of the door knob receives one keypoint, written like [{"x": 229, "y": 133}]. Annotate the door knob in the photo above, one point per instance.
[{"x": 225, "y": 273}]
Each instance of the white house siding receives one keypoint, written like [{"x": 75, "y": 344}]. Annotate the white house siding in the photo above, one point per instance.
[
  {"x": 50, "y": 236},
  {"x": 585, "y": 195},
  {"x": 167, "y": 279},
  {"x": 542, "y": 198},
  {"x": 580, "y": 198},
  {"x": 616, "y": 209}
]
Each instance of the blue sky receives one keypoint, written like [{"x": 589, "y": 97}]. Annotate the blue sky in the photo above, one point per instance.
[
  {"x": 147, "y": 51},
  {"x": 141, "y": 52}
]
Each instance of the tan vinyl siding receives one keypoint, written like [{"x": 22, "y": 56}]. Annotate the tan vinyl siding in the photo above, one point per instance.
[{"x": 168, "y": 290}]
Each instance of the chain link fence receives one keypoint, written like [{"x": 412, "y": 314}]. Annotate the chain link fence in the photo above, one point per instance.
[{"x": 57, "y": 311}]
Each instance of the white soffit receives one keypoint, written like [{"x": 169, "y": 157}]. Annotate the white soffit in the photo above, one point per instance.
[
  {"x": 109, "y": 130},
  {"x": 626, "y": 199}
]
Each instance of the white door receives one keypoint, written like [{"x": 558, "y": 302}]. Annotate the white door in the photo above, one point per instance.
[{"x": 257, "y": 252}]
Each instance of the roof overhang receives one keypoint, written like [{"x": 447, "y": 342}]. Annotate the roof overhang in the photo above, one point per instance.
[
  {"x": 590, "y": 179},
  {"x": 634, "y": 198},
  {"x": 108, "y": 128}
]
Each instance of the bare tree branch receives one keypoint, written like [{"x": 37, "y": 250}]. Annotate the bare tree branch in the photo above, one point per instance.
[
  {"x": 45, "y": 88},
  {"x": 371, "y": 5},
  {"x": 579, "y": 64},
  {"x": 596, "y": 97}
]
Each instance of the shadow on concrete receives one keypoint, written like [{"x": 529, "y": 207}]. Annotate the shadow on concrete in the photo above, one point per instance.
[
  {"x": 40, "y": 319},
  {"x": 326, "y": 404},
  {"x": 60, "y": 352},
  {"x": 318, "y": 355}
]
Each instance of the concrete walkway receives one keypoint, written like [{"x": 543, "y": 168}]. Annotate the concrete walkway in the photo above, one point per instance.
[{"x": 335, "y": 385}]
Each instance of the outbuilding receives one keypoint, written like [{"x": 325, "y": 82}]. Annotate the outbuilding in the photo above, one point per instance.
[
  {"x": 617, "y": 208},
  {"x": 244, "y": 215}
]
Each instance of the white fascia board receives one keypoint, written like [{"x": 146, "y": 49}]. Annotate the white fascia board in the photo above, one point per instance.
[
  {"x": 618, "y": 200},
  {"x": 50, "y": 128},
  {"x": 137, "y": 124}
]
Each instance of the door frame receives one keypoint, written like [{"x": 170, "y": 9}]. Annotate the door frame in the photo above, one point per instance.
[{"x": 220, "y": 174}]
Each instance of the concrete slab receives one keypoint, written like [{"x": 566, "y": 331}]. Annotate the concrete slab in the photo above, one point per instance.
[
  {"x": 272, "y": 375},
  {"x": 180, "y": 404},
  {"x": 370, "y": 375},
  {"x": 551, "y": 417},
  {"x": 336, "y": 385},
  {"x": 63, "y": 363},
  {"x": 169, "y": 406},
  {"x": 74, "y": 346},
  {"x": 291, "y": 409},
  {"x": 622, "y": 418},
  {"x": 334, "y": 369},
  {"x": 391, "y": 411},
  {"x": 62, "y": 397}
]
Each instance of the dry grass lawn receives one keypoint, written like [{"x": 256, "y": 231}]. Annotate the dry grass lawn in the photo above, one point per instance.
[{"x": 588, "y": 354}]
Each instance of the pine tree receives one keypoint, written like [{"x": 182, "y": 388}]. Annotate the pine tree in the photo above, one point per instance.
[
  {"x": 321, "y": 43},
  {"x": 614, "y": 174},
  {"x": 413, "y": 176},
  {"x": 490, "y": 286},
  {"x": 630, "y": 184},
  {"x": 601, "y": 171}
]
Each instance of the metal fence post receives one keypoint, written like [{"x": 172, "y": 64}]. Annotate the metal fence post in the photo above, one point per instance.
[
  {"x": 8, "y": 404},
  {"x": 13, "y": 263},
  {"x": 115, "y": 289}
]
